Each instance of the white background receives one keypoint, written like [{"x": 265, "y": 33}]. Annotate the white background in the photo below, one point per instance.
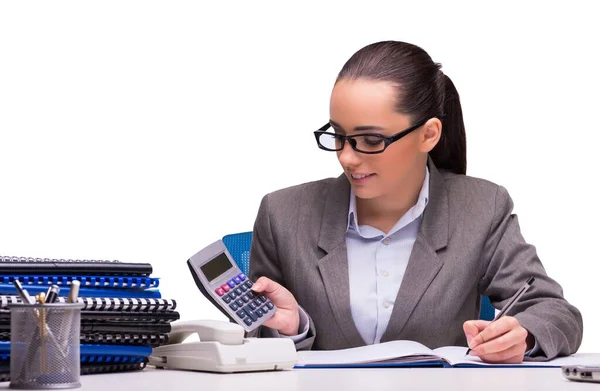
[{"x": 143, "y": 131}]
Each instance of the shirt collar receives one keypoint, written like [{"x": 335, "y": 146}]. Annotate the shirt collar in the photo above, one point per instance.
[{"x": 417, "y": 210}]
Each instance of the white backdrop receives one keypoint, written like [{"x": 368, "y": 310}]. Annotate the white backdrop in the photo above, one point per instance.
[{"x": 143, "y": 131}]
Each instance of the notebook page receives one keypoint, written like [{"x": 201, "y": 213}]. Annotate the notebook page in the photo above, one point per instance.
[
  {"x": 456, "y": 355},
  {"x": 391, "y": 351}
]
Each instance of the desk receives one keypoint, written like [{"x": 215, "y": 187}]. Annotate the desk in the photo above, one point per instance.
[{"x": 372, "y": 379}]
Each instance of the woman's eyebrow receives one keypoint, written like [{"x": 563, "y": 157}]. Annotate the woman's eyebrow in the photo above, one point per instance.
[{"x": 357, "y": 128}]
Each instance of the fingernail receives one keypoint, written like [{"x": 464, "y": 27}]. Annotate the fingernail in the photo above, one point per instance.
[
  {"x": 256, "y": 286},
  {"x": 469, "y": 339}
]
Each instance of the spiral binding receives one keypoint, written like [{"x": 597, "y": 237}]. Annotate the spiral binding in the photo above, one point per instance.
[{"x": 86, "y": 281}]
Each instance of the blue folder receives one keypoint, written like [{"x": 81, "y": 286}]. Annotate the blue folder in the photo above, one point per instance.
[
  {"x": 86, "y": 281},
  {"x": 94, "y": 353},
  {"x": 9, "y": 289},
  {"x": 99, "y": 350}
]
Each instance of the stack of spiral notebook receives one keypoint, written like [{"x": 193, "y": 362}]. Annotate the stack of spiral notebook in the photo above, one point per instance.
[{"x": 123, "y": 316}]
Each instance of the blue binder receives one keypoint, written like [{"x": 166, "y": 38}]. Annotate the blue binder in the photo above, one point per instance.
[
  {"x": 86, "y": 281},
  {"x": 9, "y": 289}
]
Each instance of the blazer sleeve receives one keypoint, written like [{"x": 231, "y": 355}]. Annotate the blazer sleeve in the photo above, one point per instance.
[
  {"x": 543, "y": 311},
  {"x": 264, "y": 261}
]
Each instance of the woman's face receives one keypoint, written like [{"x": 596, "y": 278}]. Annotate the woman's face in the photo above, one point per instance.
[{"x": 365, "y": 106}]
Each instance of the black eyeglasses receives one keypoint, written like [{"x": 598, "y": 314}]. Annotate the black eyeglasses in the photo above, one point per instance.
[{"x": 370, "y": 143}]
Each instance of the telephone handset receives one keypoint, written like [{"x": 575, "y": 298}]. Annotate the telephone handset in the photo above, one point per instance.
[
  {"x": 207, "y": 330},
  {"x": 222, "y": 348}
]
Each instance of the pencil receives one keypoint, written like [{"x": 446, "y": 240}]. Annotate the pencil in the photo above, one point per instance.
[{"x": 42, "y": 300}]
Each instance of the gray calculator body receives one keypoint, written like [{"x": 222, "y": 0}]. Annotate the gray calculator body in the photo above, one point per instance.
[{"x": 223, "y": 283}]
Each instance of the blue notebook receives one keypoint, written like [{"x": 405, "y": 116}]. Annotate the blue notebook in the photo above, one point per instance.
[
  {"x": 86, "y": 281},
  {"x": 98, "y": 350},
  {"x": 9, "y": 289}
]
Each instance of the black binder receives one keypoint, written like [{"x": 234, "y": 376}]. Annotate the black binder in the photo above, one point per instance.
[{"x": 65, "y": 267}]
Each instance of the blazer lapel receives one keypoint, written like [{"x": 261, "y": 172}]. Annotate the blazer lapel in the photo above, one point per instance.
[
  {"x": 334, "y": 265},
  {"x": 424, "y": 263}
]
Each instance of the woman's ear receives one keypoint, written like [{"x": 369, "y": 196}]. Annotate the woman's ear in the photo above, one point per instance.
[{"x": 430, "y": 134}]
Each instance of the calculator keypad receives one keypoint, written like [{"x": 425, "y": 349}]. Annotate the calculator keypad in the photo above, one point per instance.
[{"x": 248, "y": 305}]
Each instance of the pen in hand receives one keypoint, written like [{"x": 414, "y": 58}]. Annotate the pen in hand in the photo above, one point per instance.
[{"x": 511, "y": 302}]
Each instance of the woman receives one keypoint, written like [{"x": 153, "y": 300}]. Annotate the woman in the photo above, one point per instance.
[{"x": 403, "y": 244}]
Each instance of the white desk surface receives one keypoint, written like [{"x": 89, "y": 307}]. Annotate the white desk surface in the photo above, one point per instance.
[{"x": 379, "y": 379}]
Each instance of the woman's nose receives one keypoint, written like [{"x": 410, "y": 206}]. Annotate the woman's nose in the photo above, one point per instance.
[{"x": 348, "y": 156}]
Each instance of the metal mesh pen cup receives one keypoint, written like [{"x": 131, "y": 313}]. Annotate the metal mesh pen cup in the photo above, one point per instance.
[{"x": 44, "y": 345}]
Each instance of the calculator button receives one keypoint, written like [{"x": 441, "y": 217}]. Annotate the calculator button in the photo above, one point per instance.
[
  {"x": 220, "y": 291},
  {"x": 238, "y": 291},
  {"x": 237, "y": 280},
  {"x": 251, "y": 294},
  {"x": 248, "y": 283},
  {"x": 245, "y": 298},
  {"x": 226, "y": 299},
  {"x": 243, "y": 287},
  {"x": 252, "y": 305},
  {"x": 231, "y": 283},
  {"x": 270, "y": 305},
  {"x": 241, "y": 313},
  {"x": 242, "y": 276},
  {"x": 250, "y": 313},
  {"x": 257, "y": 303},
  {"x": 265, "y": 309},
  {"x": 240, "y": 302},
  {"x": 263, "y": 298},
  {"x": 248, "y": 321},
  {"x": 234, "y": 306},
  {"x": 225, "y": 287},
  {"x": 232, "y": 295},
  {"x": 259, "y": 312}
]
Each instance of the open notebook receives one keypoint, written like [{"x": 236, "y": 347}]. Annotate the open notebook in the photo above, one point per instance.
[{"x": 410, "y": 353}]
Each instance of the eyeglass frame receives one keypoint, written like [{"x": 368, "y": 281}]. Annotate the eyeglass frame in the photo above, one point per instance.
[{"x": 387, "y": 140}]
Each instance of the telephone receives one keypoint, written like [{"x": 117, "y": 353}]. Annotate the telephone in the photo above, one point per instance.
[{"x": 222, "y": 348}]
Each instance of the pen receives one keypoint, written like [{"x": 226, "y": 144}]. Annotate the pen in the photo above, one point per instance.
[
  {"x": 512, "y": 302},
  {"x": 23, "y": 293},
  {"x": 43, "y": 330},
  {"x": 52, "y": 294},
  {"x": 74, "y": 292}
]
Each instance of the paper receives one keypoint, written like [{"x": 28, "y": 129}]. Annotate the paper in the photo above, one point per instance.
[{"x": 410, "y": 352}]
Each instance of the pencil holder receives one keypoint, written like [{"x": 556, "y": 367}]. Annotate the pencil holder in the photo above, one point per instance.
[{"x": 44, "y": 348}]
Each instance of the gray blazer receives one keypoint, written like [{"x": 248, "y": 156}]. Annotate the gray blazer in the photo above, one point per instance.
[{"x": 469, "y": 244}]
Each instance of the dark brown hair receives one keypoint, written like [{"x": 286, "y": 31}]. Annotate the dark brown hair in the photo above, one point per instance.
[{"x": 423, "y": 92}]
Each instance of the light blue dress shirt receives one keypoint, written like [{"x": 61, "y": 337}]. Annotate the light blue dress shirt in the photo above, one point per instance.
[{"x": 376, "y": 265}]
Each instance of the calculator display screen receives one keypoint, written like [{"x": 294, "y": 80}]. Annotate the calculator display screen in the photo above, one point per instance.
[{"x": 216, "y": 267}]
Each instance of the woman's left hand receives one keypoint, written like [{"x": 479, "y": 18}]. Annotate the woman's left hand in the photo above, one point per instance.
[{"x": 504, "y": 341}]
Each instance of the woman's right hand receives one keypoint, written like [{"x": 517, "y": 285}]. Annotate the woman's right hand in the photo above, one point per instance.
[{"x": 287, "y": 317}]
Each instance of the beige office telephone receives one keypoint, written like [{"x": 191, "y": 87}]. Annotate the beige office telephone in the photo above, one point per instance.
[{"x": 222, "y": 348}]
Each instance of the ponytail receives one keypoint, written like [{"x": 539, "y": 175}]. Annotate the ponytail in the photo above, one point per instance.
[
  {"x": 451, "y": 151},
  {"x": 423, "y": 91}
]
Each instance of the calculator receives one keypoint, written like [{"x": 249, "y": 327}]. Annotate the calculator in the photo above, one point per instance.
[{"x": 222, "y": 282}]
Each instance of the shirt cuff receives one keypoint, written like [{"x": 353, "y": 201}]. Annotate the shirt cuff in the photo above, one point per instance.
[
  {"x": 302, "y": 329},
  {"x": 533, "y": 351}
]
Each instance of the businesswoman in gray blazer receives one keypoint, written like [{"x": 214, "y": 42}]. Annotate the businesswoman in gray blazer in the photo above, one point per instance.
[{"x": 403, "y": 244}]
